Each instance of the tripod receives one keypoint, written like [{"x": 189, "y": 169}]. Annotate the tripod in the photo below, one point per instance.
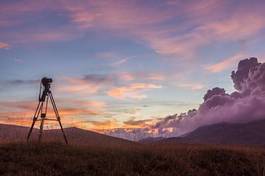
[{"x": 41, "y": 111}]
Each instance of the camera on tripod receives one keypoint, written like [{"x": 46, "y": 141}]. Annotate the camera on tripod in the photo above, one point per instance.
[{"x": 45, "y": 96}]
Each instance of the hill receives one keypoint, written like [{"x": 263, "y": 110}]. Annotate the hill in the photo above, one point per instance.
[
  {"x": 76, "y": 136},
  {"x": 151, "y": 140},
  {"x": 251, "y": 133}
]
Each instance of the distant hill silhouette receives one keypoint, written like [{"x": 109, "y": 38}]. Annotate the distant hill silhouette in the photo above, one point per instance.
[
  {"x": 251, "y": 133},
  {"x": 151, "y": 139},
  {"x": 76, "y": 136}
]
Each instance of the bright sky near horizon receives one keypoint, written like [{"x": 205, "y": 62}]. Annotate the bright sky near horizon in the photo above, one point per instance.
[{"x": 118, "y": 63}]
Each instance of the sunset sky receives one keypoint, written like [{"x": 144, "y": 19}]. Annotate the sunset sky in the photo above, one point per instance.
[{"x": 121, "y": 63}]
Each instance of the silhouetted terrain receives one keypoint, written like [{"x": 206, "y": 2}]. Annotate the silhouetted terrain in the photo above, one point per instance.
[
  {"x": 76, "y": 136},
  {"x": 252, "y": 133},
  {"x": 151, "y": 139},
  {"x": 13, "y": 133},
  {"x": 156, "y": 160},
  {"x": 90, "y": 153}
]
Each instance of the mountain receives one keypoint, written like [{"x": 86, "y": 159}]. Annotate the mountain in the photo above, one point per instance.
[
  {"x": 13, "y": 133},
  {"x": 151, "y": 139},
  {"x": 251, "y": 133},
  {"x": 75, "y": 136}
]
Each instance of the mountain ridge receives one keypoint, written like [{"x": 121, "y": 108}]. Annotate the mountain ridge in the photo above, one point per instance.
[
  {"x": 250, "y": 133},
  {"x": 76, "y": 136}
]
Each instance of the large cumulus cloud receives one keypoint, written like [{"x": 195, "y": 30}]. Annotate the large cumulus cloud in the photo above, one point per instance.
[
  {"x": 246, "y": 104},
  {"x": 245, "y": 67}
]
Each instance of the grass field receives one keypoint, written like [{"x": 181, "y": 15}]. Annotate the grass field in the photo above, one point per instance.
[{"x": 160, "y": 160}]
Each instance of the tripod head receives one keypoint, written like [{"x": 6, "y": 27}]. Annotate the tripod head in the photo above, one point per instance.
[{"x": 46, "y": 84}]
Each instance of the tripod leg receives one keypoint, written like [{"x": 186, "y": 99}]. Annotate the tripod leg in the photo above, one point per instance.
[
  {"x": 35, "y": 117},
  {"x": 64, "y": 136},
  {"x": 43, "y": 116},
  {"x": 41, "y": 130},
  {"x": 58, "y": 117}
]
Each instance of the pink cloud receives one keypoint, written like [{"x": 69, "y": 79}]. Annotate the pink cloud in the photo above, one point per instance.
[
  {"x": 118, "y": 17},
  {"x": 224, "y": 63},
  {"x": 92, "y": 84},
  {"x": 76, "y": 85},
  {"x": 169, "y": 39},
  {"x": 50, "y": 36},
  {"x": 204, "y": 22},
  {"x": 94, "y": 104},
  {"x": 4, "y": 45},
  {"x": 156, "y": 76},
  {"x": 96, "y": 125},
  {"x": 132, "y": 91},
  {"x": 133, "y": 123},
  {"x": 236, "y": 27},
  {"x": 126, "y": 76},
  {"x": 191, "y": 86},
  {"x": 45, "y": 35},
  {"x": 130, "y": 76},
  {"x": 26, "y": 105}
]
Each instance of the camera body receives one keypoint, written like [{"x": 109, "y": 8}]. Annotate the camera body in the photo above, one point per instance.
[{"x": 46, "y": 82}]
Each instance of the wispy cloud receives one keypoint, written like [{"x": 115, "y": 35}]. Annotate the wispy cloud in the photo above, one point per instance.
[
  {"x": 133, "y": 123},
  {"x": 92, "y": 104},
  {"x": 22, "y": 82},
  {"x": 107, "y": 124},
  {"x": 4, "y": 45},
  {"x": 95, "y": 83},
  {"x": 126, "y": 76},
  {"x": 224, "y": 64},
  {"x": 18, "y": 83},
  {"x": 89, "y": 84},
  {"x": 199, "y": 23},
  {"x": 132, "y": 91},
  {"x": 191, "y": 86},
  {"x": 156, "y": 76},
  {"x": 99, "y": 125},
  {"x": 129, "y": 76},
  {"x": 169, "y": 39},
  {"x": 45, "y": 35},
  {"x": 121, "y": 61}
]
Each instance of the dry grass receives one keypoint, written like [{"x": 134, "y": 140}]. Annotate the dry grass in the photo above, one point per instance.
[{"x": 162, "y": 160}]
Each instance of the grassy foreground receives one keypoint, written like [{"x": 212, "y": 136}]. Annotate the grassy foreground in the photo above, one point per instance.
[{"x": 160, "y": 160}]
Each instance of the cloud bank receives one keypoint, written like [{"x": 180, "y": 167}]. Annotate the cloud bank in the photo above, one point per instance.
[{"x": 243, "y": 105}]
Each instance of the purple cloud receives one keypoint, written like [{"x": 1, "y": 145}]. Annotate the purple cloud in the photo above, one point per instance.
[
  {"x": 241, "y": 75},
  {"x": 244, "y": 105},
  {"x": 214, "y": 91}
]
